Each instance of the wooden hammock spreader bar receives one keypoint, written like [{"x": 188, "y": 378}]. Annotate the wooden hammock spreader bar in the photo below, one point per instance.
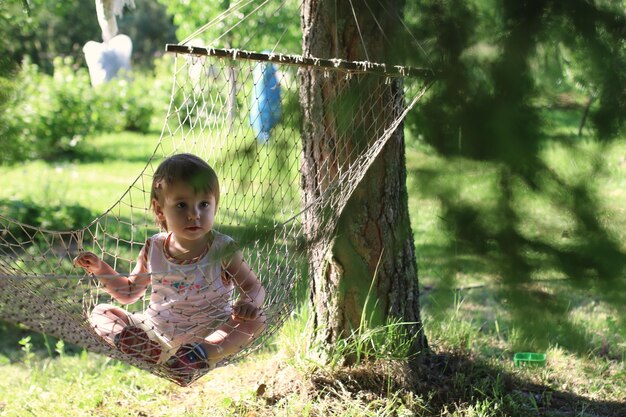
[{"x": 348, "y": 66}]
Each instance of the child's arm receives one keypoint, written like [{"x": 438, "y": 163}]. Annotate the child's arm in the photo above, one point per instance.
[
  {"x": 251, "y": 292},
  {"x": 125, "y": 289}
]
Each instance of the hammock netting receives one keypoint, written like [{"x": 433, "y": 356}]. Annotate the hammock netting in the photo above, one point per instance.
[{"x": 241, "y": 112}]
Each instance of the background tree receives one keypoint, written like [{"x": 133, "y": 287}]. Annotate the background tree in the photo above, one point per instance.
[
  {"x": 266, "y": 28},
  {"x": 46, "y": 30},
  {"x": 50, "y": 29}
]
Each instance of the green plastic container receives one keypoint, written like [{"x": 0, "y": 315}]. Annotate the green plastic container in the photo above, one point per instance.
[{"x": 529, "y": 359}]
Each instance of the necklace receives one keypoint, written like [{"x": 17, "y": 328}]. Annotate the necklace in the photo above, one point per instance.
[{"x": 181, "y": 257}]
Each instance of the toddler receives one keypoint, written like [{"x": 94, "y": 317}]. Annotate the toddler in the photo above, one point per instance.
[{"x": 192, "y": 271}]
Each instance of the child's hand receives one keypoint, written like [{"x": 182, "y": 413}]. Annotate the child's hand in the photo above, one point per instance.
[
  {"x": 244, "y": 310},
  {"x": 88, "y": 261}
]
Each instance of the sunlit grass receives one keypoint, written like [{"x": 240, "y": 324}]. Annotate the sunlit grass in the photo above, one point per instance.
[
  {"x": 97, "y": 185},
  {"x": 465, "y": 312},
  {"x": 277, "y": 382}
]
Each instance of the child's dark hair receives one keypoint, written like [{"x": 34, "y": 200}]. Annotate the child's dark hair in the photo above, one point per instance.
[{"x": 186, "y": 168}]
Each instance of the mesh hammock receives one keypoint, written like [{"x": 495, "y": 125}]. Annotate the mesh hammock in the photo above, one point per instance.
[{"x": 239, "y": 111}]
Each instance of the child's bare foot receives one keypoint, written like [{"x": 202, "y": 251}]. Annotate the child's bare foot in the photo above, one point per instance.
[{"x": 135, "y": 342}]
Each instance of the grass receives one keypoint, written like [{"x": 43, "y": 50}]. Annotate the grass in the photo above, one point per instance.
[
  {"x": 115, "y": 161},
  {"x": 459, "y": 379},
  {"x": 471, "y": 327}
]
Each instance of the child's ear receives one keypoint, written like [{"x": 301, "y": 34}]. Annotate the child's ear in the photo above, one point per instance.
[{"x": 158, "y": 211}]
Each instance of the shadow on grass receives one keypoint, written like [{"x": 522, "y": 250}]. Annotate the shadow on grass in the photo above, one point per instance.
[
  {"x": 450, "y": 379},
  {"x": 516, "y": 232},
  {"x": 444, "y": 383},
  {"x": 43, "y": 346},
  {"x": 532, "y": 315},
  {"x": 93, "y": 155}
]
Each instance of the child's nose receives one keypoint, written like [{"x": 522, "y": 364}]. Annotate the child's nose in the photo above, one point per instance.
[{"x": 193, "y": 213}]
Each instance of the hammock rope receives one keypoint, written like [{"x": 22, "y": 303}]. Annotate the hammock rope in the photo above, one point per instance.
[{"x": 262, "y": 206}]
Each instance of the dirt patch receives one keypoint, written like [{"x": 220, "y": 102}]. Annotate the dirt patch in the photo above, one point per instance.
[{"x": 377, "y": 378}]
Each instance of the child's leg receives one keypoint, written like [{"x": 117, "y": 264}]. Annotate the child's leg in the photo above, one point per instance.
[
  {"x": 135, "y": 341},
  {"x": 115, "y": 326},
  {"x": 199, "y": 356},
  {"x": 108, "y": 321}
]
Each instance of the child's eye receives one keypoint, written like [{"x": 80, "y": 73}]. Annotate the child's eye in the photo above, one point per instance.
[
  {"x": 205, "y": 204},
  {"x": 181, "y": 205}
]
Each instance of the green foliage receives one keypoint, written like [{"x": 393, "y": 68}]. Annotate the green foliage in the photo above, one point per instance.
[
  {"x": 51, "y": 29},
  {"x": 496, "y": 59},
  {"x": 27, "y": 348},
  {"x": 150, "y": 28},
  {"x": 267, "y": 27},
  {"x": 392, "y": 341},
  {"x": 39, "y": 32},
  {"x": 131, "y": 103},
  {"x": 50, "y": 116},
  {"x": 67, "y": 28},
  {"x": 59, "y": 348},
  {"x": 51, "y": 217},
  {"x": 7, "y": 88}
]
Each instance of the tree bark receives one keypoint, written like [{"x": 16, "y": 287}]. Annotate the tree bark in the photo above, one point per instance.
[{"x": 373, "y": 238}]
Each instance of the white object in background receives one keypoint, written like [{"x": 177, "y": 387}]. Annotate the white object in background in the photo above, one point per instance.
[
  {"x": 105, "y": 60},
  {"x": 107, "y": 11}
]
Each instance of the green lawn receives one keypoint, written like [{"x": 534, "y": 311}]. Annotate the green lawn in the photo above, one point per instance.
[
  {"x": 115, "y": 162},
  {"x": 467, "y": 312}
]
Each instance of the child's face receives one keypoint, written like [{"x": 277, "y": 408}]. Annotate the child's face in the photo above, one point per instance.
[{"x": 189, "y": 215}]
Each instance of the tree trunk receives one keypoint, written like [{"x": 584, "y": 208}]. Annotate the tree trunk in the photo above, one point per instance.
[{"x": 373, "y": 238}]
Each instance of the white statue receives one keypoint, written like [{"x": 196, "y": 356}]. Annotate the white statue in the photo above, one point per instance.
[{"x": 106, "y": 59}]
